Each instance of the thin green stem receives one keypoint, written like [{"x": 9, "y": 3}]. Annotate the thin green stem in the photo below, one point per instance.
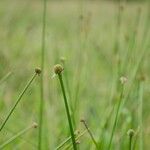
[
  {"x": 42, "y": 76},
  {"x": 63, "y": 143},
  {"x": 77, "y": 138},
  {"x": 91, "y": 134},
  {"x": 16, "y": 136},
  {"x": 68, "y": 139},
  {"x": 141, "y": 114},
  {"x": 130, "y": 143},
  {"x": 104, "y": 127},
  {"x": 67, "y": 111},
  {"x": 116, "y": 117},
  {"x": 5, "y": 77},
  {"x": 136, "y": 139},
  {"x": 18, "y": 100}
]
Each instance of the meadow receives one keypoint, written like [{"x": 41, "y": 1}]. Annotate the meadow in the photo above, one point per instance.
[{"x": 104, "y": 48}]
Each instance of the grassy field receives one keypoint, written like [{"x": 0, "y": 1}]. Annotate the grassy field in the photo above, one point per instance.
[{"x": 97, "y": 43}]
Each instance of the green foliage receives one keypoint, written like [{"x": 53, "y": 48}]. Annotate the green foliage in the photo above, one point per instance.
[{"x": 97, "y": 43}]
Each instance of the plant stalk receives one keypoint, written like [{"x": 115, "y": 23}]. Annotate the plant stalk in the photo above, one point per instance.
[
  {"x": 67, "y": 111},
  {"x": 42, "y": 76},
  {"x": 16, "y": 103}
]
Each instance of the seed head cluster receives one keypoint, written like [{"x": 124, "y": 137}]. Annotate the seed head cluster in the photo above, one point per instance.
[
  {"x": 38, "y": 71},
  {"x": 130, "y": 132},
  {"x": 123, "y": 80},
  {"x": 58, "y": 69},
  {"x": 35, "y": 125}
]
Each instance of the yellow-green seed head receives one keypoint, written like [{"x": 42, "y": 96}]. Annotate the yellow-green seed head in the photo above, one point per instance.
[
  {"x": 38, "y": 71},
  {"x": 63, "y": 59},
  {"x": 35, "y": 125},
  {"x": 82, "y": 120},
  {"x": 123, "y": 80},
  {"x": 130, "y": 132},
  {"x": 78, "y": 142},
  {"x": 77, "y": 132},
  {"x": 58, "y": 69}
]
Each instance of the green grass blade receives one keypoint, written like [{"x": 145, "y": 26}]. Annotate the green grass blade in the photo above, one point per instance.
[
  {"x": 18, "y": 100},
  {"x": 17, "y": 135},
  {"x": 67, "y": 111},
  {"x": 116, "y": 117},
  {"x": 42, "y": 76},
  {"x": 5, "y": 77}
]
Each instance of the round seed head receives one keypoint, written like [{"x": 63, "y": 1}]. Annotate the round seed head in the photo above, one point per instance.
[
  {"x": 123, "y": 80},
  {"x": 35, "y": 125},
  {"x": 130, "y": 132},
  {"x": 78, "y": 142},
  {"x": 63, "y": 59},
  {"x": 58, "y": 69},
  {"x": 82, "y": 120},
  {"x": 38, "y": 71},
  {"x": 77, "y": 132}
]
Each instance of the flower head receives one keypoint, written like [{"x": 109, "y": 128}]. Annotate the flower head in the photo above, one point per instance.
[
  {"x": 35, "y": 125},
  {"x": 38, "y": 71},
  {"x": 123, "y": 80},
  {"x": 58, "y": 69},
  {"x": 130, "y": 132}
]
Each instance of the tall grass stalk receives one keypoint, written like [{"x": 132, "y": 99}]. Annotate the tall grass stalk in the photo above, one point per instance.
[
  {"x": 77, "y": 138},
  {"x": 133, "y": 40},
  {"x": 118, "y": 27},
  {"x": 5, "y": 77},
  {"x": 34, "y": 125},
  {"x": 130, "y": 134},
  {"x": 135, "y": 139},
  {"x": 130, "y": 143},
  {"x": 66, "y": 78},
  {"x": 58, "y": 70},
  {"x": 123, "y": 80},
  {"x": 37, "y": 72},
  {"x": 90, "y": 133},
  {"x": 68, "y": 139},
  {"x": 42, "y": 76},
  {"x": 104, "y": 128},
  {"x": 141, "y": 113}
]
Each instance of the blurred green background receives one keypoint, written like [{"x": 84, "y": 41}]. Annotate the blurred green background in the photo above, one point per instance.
[{"x": 94, "y": 38}]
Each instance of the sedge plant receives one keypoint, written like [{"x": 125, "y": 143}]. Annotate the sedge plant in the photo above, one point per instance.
[
  {"x": 37, "y": 72},
  {"x": 5, "y": 77},
  {"x": 69, "y": 138},
  {"x": 130, "y": 133},
  {"x": 141, "y": 88},
  {"x": 19, "y": 134},
  {"x": 42, "y": 76},
  {"x": 79, "y": 136},
  {"x": 90, "y": 133},
  {"x": 58, "y": 69},
  {"x": 123, "y": 80}
]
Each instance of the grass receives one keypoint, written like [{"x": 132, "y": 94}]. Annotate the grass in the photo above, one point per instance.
[
  {"x": 41, "y": 107},
  {"x": 19, "y": 99},
  {"x": 21, "y": 133},
  {"x": 5, "y": 77},
  {"x": 122, "y": 80},
  {"x": 130, "y": 134},
  {"x": 67, "y": 140},
  {"x": 58, "y": 70},
  {"x": 87, "y": 35},
  {"x": 141, "y": 114},
  {"x": 90, "y": 133}
]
